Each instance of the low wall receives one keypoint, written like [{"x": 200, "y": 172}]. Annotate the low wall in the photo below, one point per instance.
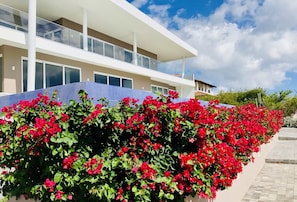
[
  {"x": 249, "y": 172},
  {"x": 240, "y": 186}
]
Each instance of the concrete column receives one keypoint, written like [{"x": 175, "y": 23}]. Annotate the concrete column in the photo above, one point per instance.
[
  {"x": 134, "y": 49},
  {"x": 31, "y": 45},
  {"x": 183, "y": 68},
  {"x": 85, "y": 29}
]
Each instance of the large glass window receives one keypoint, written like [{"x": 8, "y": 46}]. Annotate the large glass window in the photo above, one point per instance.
[
  {"x": 100, "y": 78},
  {"x": 114, "y": 81},
  {"x": 126, "y": 83},
  {"x": 98, "y": 47},
  {"x": 108, "y": 49},
  {"x": 48, "y": 75},
  {"x": 72, "y": 75},
  {"x": 53, "y": 75},
  {"x": 128, "y": 56},
  {"x": 38, "y": 75},
  {"x": 146, "y": 62}
]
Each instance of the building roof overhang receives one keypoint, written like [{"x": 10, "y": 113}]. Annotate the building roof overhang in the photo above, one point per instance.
[
  {"x": 203, "y": 82},
  {"x": 118, "y": 19}
]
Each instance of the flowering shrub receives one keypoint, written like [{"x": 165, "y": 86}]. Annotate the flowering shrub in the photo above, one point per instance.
[{"x": 158, "y": 150}]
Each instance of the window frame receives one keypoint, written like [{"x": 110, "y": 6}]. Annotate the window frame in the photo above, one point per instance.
[
  {"x": 159, "y": 87},
  {"x": 115, "y": 76},
  {"x": 44, "y": 62}
]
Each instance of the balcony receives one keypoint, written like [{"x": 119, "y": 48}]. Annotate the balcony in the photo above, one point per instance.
[{"x": 18, "y": 20}]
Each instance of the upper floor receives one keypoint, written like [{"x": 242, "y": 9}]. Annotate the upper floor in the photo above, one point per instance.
[{"x": 113, "y": 28}]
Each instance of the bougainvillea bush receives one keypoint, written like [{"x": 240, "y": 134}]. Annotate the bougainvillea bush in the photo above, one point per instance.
[{"x": 157, "y": 150}]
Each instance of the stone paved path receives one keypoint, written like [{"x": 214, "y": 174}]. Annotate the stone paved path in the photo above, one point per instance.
[{"x": 277, "y": 181}]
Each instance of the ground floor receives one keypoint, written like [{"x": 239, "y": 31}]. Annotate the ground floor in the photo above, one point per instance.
[{"x": 54, "y": 70}]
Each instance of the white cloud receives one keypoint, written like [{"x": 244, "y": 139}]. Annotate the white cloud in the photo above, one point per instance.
[
  {"x": 160, "y": 14},
  {"x": 139, "y": 3},
  {"x": 243, "y": 44}
]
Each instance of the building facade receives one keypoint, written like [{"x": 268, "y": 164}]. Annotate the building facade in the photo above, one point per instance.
[
  {"x": 48, "y": 43},
  {"x": 203, "y": 88}
]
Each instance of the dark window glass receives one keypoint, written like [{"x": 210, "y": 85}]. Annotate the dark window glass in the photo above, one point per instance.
[
  {"x": 100, "y": 78},
  {"x": 98, "y": 47},
  {"x": 145, "y": 62},
  {"x": 108, "y": 49},
  {"x": 114, "y": 81},
  {"x": 160, "y": 90},
  {"x": 165, "y": 91},
  {"x": 38, "y": 75},
  {"x": 90, "y": 45},
  {"x": 54, "y": 75},
  {"x": 128, "y": 56},
  {"x": 25, "y": 75},
  {"x": 154, "y": 89},
  {"x": 72, "y": 75},
  {"x": 126, "y": 83}
]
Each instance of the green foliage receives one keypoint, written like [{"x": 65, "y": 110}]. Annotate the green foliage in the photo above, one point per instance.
[{"x": 282, "y": 100}]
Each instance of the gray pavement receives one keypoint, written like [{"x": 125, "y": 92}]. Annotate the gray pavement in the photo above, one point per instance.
[{"x": 277, "y": 181}]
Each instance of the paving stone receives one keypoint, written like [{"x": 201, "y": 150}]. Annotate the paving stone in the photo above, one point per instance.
[{"x": 277, "y": 181}]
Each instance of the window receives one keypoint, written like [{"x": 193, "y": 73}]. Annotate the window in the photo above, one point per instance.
[
  {"x": 38, "y": 75},
  {"x": 48, "y": 74},
  {"x": 98, "y": 47},
  {"x": 100, "y": 78},
  {"x": 72, "y": 75},
  {"x": 113, "y": 80},
  {"x": 108, "y": 50},
  {"x": 128, "y": 56},
  {"x": 159, "y": 89},
  {"x": 53, "y": 75},
  {"x": 146, "y": 62},
  {"x": 126, "y": 83}
]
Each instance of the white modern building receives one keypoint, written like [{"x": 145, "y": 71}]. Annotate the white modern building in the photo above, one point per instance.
[{"x": 46, "y": 43}]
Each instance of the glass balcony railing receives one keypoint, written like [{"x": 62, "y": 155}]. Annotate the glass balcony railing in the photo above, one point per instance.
[{"x": 18, "y": 20}]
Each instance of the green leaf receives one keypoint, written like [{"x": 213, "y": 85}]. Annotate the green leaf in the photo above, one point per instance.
[
  {"x": 134, "y": 189},
  {"x": 58, "y": 177}
]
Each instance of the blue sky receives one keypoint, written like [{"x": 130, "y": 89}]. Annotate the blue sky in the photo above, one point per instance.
[{"x": 242, "y": 44}]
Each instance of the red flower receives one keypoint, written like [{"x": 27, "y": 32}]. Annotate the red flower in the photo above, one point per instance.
[
  {"x": 173, "y": 94},
  {"x": 147, "y": 171},
  {"x": 68, "y": 161},
  {"x": 167, "y": 173},
  {"x": 94, "y": 166},
  {"x": 70, "y": 197},
  {"x": 59, "y": 195},
  {"x": 64, "y": 117},
  {"x": 49, "y": 185}
]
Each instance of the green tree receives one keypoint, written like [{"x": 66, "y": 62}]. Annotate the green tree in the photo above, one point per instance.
[
  {"x": 289, "y": 106},
  {"x": 282, "y": 100}
]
